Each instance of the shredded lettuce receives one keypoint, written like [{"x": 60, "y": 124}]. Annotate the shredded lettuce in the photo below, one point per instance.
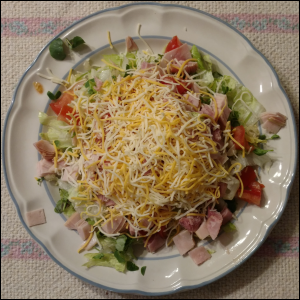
[
  {"x": 229, "y": 227},
  {"x": 115, "y": 59},
  {"x": 62, "y": 136},
  {"x": 56, "y": 132},
  {"x": 105, "y": 260},
  {"x": 243, "y": 101},
  {"x": 104, "y": 74},
  {"x": 50, "y": 121},
  {"x": 196, "y": 54},
  {"x": 131, "y": 56}
]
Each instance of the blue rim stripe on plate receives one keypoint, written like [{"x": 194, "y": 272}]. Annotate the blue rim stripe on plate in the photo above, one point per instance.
[{"x": 177, "y": 289}]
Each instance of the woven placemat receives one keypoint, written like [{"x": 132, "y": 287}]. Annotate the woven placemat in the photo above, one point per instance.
[{"x": 27, "y": 272}]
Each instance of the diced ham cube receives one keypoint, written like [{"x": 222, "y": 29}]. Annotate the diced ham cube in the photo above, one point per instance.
[
  {"x": 202, "y": 232},
  {"x": 146, "y": 65},
  {"x": 70, "y": 223},
  {"x": 84, "y": 230},
  {"x": 99, "y": 83},
  {"x": 221, "y": 102},
  {"x": 44, "y": 167},
  {"x": 181, "y": 53},
  {"x": 214, "y": 223},
  {"x": 191, "y": 223},
  {"x": 221, "y": 158},
  {"x": 207, "y": 110},
  {"x": 78, "y": 223},
  {"x": 70, "y": 172},
  {"x": 155, "y": 243},
  {"x": 223, "y": 188},
  {"x": 190, "y": 67},
  {"x": 45, "y": 148},
  {"x": 273, "y": 122},
  {"x": 199, "y": 255},
  {"x": 106, "y": 201},
  {"x": 193, "y": 100},
  {"x": 131, "y": 45},
  {"x": 184, "y": 242},
  {"x": 227, "y": 215},
  {"x": 36, "y": 217},
  {"x": 118, "y": 223}
]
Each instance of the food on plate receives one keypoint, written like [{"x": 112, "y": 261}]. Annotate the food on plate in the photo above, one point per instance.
[
  {"x": 152, "y": 149},
  {"x": 36, "y": 217}
]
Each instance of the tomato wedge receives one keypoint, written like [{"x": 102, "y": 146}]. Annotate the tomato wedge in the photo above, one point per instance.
[
  {"x": 239, "y": 136},
  {"x": 180, "y": 89},
  {"x": 248, "y": 176},
  {"x": 162, "y": 232},
  {"x": 61, "y": 107},
  {"x": 173, "y": 44},
  {"x": 252, "y": 194}
]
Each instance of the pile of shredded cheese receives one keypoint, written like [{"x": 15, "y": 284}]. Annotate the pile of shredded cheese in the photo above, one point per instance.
[{"x": 138, "y": 145}]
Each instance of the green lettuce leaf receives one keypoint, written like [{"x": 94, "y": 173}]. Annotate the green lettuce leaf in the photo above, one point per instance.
[
  {"x": 229, "y": 227},
  {"x": 51, "y": 121},
  {"x": 114, "y": 58},
  {"x": 107, "y": 260},
  {"x": 196, "y": 54}
]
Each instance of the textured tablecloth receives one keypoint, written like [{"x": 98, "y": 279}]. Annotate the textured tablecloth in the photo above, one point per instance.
[{"x": 27, "y": 272}]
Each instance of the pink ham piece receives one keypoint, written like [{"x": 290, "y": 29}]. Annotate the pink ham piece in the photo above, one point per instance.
[
  {"x": 44, "y": 167},
  {"x": 207, "y": 110},
  {"x": 36, "y": 217},
  {"x": 218, "y": 137},
  {"x": 107, "y": 202},
  {"x": 231, "y": 149},
  {"x": 131, "y": 45},
  {"x": 99, "y": 84},
  {"x": 146, "y": 65},
  {"x": 181, "y": 53},
  {"x": 226, "y": 215},
  {"x": 221, "y": 158},
  {"x": 84, "y": 230},
  {"x": 191, "y": 223},
  {"x": 45, "y": 148},
  {"x": 221, "y": 102},
  {"x": 61, "y": 164},
  {"x": 202, "y": 232},
  {"x": 199, "y": 255},
  {"x": 70, "y": 223},
  {"x": 273, "y": 122},
  {"x": 190, "y": 67},
  {"x": 70, "y": 171},
  {"x": 195, "y": 88},
  {"x": 118, "y": 223},
  {"x": 193, "y": 100},
  {"x": 155, "y": 243},
  {"x": 78, "y": 223},
  {"x": 223, "y": 188},
  {"x": 184, "y": 242},
  {"x": 214, "y": 223}
]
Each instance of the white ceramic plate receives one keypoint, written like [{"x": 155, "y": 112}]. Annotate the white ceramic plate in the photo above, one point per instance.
[{"x": 167, "y": 272}]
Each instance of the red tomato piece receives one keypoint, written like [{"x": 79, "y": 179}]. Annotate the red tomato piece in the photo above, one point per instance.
[
  {"x": 162, "y": 232},
  {"x": 61, "y": 107},
  {"x": 239, "y": 136},
  {"x": 180, "y": 89},
  {"x": 173, "y": 44},
  {"x": 248, "y": 176},
  {"x": 252, "y": 194}
]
